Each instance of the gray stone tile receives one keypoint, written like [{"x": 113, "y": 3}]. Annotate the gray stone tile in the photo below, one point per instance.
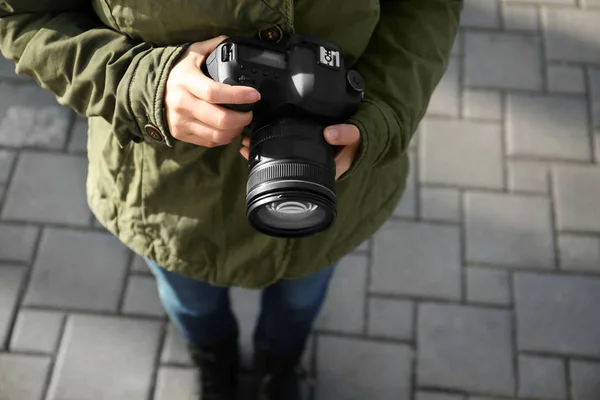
[
  {"x": 344, "y": 308},
  {"x": 527, "y": 176},
  {"x": 48, "y": 188},
  {"x": 450, "y": 149},
  {"x": 482, "y": 104},
  {"x": 22, "y": 377},
  {"x": 79, "y": 132},
  {"x": 429, "y": 265},
  {"x": 364, "y": 246},
  {"x": 509, "y": 230},
  {"x": 139, "y": 265},
  {"x": 480, "y": 14},
  {"x": 7, "y": 158},
  {"x": 174, "y": 350},
  {"x": 585, "y": 384},
  {"x": 11, "y": 280},
  {"x": 78, "y": 270},
  {"x": 17, "y": 242},
  {"x": 561, "y": 133},
  {"x": 177, "y": 384},
  {"x": 571, "y": 34},
  {"x": 440, "y": 204},
  {"x": 465, "y": 348},
  {"x": 577, "y": 196},
  {"x": 383, "y": 372},
  {"x": 544, "y": 2},
  {"x": 579, "y": 253},
  {"x": 445, "y": 98},
  {"x": 558, "y": 314},
  {"x": 7, "y": 70},
  {"x": 141, "y": 297},
  {"x": 31, "y": 117},
  {"x": 37, "y": 331},
  {"x": 105, "y": 358},
  {"x": 542, "y": 378},
  {"x": 486, "y": 285},
  {"x": 566, "y": 79},
  {"x": 437, "y": 396},
  {"x": 407, "y": 207},
  {"x": 490, "y": 60},
  {"x": 390, "y": 318},
  {"x": 520, "y": 17},
  {"x": 457, "y": 47},
  {"x": 246, "y": 306}
]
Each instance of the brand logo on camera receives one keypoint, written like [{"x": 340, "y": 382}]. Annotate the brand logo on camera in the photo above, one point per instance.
[{"x": 330, "y": 58}]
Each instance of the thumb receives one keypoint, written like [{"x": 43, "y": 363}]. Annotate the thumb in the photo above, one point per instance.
[
  {"x": 206, "y": 47},
  {"x": 342, "y": 135}
]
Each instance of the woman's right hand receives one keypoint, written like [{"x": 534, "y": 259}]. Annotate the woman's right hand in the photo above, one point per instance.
[{"x": 192, "y": 98}]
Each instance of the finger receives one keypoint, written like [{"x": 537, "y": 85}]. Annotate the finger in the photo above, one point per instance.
[
  {"x": 343, "y": 162},
  {"x": 211, "y": 91},
  {"x": 342, "y": 135},
  {"x": 209, "y": 136},
  {"x": 246, "y": 142},
  {"x": 245, "y": 152},
  {"x": 206, "y": 47},
  {"x": 220, "y": 118}
]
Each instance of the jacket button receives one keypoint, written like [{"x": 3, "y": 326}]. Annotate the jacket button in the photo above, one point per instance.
[
  {"x": 274, "y": 34},
  {"x": 154, "y": 133}
]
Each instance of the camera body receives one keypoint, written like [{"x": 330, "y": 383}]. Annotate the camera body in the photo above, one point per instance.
[{"x": 304, "y": 86}]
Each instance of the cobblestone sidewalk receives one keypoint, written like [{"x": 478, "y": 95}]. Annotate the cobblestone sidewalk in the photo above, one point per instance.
[{"x": 485, "y": 284}]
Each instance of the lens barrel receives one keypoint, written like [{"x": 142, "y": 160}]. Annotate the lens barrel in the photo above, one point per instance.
[{"x": 291, "y": 184}]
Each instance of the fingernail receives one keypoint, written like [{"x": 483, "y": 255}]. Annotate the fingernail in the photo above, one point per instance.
[
  {"x": 254, "y": 96},
  {"x": 332, "y": 134}
]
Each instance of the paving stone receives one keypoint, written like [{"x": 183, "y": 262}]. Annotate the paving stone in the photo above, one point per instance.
[
  {"x": 364, "y": 246},
  {"x": 48, "y": 188},
  {"x": 37, "y": 331},
  {"x": 591, "y": 3},
  {"x": 457, "y": 47},
  {"x": 139, "y": 265},
  {"x": 480, "y": 14},
  {"x": 176, "y": 383},
  {"x": 544, "y": 2},
  {"x": 525, "y": 176},
  {"x": 7, "y": 70},
  {"x": 390, "y": 318},
  {"x": 520, "y": 17},
  {"x": 31, "y": 117},
  {"x": 542, "y": 378},
  {"x": 558, "y": 314},
  {"x": 585, "y": 384},
  {"x": 485, "y": 285},
  {"x": 104, "y": 358},
  {"x": 22, "y": 377},
  {"x": 465, "y": 348},
  {"x": 577, "y": 195},
  {"x": 562, "y": 133},
  {"x": 17, "y": 242},
  {"x": 78, "y": 270},
  {"x": 79, "y": 132},
  {"x": 579, "y": 253},
  {"x": 7, "y": 159},
  {"x": 174, "y": 350},
  {"x": 450, "y": 149},
  {"x": 11, "y": 279},
  {"x": 383, "y": 372},
  {"x": 444, "y": 100},
  {"x": 407, "y": 207},
  {"x": 566, "y": 79},
  {"x": 142, "y": 298},
  {"x": 509, "y": 230},
  {"x": 440, "y": 204},
  {"x": 490, "y": 60},
  {"x": 430, "y": 262},
  {"x": 344, "y": 308},
  {"x": 437, "y": 396},
  {"x": 482, "y": 104},
  {"x": 571, "y": 34}
]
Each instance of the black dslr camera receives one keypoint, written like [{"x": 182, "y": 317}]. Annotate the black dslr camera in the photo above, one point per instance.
[{"x": 304, "y": 87}]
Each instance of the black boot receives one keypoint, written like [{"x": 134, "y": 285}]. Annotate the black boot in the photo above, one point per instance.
[
  {"x": 276, "y": 377},
  {"x": 219, "y": 367}
]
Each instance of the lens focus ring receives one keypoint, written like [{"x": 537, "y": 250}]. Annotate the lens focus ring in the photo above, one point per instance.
[{"x": 291, "y": 171}]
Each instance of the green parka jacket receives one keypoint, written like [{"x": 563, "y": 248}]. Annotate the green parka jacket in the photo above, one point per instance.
[{"x": 182, "y": 205}]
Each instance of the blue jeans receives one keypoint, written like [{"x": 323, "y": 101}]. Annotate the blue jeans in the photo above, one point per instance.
[{"x": 203, "y": 315}]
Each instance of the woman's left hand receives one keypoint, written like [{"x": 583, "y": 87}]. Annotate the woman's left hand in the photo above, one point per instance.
[{"x": 345, "y": 136}]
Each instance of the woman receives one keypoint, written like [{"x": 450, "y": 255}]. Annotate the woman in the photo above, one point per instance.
[{"x": 165, "y": 173}]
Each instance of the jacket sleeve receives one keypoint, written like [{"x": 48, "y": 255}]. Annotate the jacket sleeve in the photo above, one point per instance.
[
  {"x": 402, "y": 65},
  {"x": 88, "y": 67}
]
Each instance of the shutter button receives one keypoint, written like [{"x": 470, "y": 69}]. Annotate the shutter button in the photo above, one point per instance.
[
  {"x": 273, "y": 34},
  {"x": 154, "y": 133}
]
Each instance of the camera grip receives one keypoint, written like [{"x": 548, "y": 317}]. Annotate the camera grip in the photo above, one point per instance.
[{"x": 210, "y": 69}]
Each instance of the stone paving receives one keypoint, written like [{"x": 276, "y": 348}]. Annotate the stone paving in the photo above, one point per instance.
[{"x": 485, "y": 285}]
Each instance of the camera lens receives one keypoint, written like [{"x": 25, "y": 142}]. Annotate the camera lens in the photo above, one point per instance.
[{"x": 291, "y": 186}]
